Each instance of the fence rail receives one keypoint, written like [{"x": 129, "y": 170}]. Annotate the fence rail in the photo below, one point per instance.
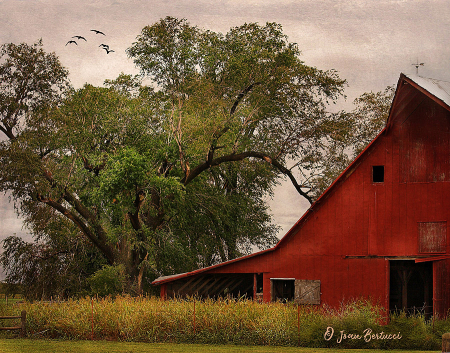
[{"x": 23, "y": 322}]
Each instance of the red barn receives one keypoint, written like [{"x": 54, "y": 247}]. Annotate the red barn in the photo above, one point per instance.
[{"x": 379, "y": 231}]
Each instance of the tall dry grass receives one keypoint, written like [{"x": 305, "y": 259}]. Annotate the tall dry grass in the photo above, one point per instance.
[{"x": 224, "y": 321}]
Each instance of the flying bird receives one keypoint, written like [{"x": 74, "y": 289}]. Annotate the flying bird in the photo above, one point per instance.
[
  {"x": 108, "y": 51},
  {"x": 105, "y": 46},
  {"x": 80, "y": 37},
  {"x": 71, "y": 41},
  {"x": 98, "y": 32}
]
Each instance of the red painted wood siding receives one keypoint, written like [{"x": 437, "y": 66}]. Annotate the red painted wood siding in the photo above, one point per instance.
[{"x": 359, "y": 218}]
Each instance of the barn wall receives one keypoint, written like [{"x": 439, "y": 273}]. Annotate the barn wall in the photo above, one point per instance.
[
  {"x": 349, "y": 235},
  {"x": 346, "y": 240},
  {"x": 362, "y": 219}
]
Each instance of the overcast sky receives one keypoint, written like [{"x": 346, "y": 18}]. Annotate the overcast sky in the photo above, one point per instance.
[{"x": 369, "y": 43}]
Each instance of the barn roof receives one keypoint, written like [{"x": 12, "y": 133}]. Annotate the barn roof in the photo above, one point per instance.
[
  {"x": 164, "y": 279},
  {"x": 437, "y": 90}
]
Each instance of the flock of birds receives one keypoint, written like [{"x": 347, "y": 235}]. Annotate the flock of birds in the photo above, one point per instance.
[{"x": 103, "y": 46}]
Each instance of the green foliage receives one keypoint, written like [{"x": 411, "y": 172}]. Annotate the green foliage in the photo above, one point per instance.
[
  {"x": 30, "y": 80},
  {"x": 110, "y": 280},
  {"x": 167, "y": 49},
  {"x": 31, "y": 267},
  {"x": 215, "y": 230},
  {"x": 245, "y": 94},
  {"x": 129, "y": 170},
  {"x": 167, "y": 178}
]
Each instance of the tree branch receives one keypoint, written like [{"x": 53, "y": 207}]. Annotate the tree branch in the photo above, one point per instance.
[
  {"x": 7, "y": 131},
  {"x": 86, "y": 214},
  {"x": 134, "y": 217},
  {"x": 106, "y": 250},
  {"x": 95, "y": 169},
  {"x": 242, "y": 95},
  {"x": 219, "y": 133},
  {"x": 241, "y": 156},
  {"x": 99, "y": 238}
]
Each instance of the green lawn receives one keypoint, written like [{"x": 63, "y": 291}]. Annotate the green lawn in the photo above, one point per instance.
[{"x": 58, "y": 346}]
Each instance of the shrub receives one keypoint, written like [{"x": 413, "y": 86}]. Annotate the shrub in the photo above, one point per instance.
[{"x": 110, "y": 280}]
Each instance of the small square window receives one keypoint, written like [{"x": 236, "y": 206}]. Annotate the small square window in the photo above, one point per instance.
[{"x": 378, "y": 173}]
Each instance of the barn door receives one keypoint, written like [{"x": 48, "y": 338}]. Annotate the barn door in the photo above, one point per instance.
[
  {"x": 411, "y": 287},
  {"x": 441, "y": 296}
]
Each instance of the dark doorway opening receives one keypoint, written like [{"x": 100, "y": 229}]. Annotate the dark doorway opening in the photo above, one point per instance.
[
  {"x": 411, "y": 287},
  {"x": 259, "y": 287},
  {"x": 259, "y": 283},
  {"x": 283, "y": 289}
]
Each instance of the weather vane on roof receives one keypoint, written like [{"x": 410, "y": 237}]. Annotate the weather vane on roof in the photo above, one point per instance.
[{"x": 417, "y": 64}]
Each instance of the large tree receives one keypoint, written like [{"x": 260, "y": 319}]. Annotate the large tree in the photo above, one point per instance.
[
  {"x": 170, "y": 176},
  {"x": 248, "y": 93}
]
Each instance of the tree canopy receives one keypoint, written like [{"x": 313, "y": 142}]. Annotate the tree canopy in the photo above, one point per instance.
[{"x": 171, "y": 176}]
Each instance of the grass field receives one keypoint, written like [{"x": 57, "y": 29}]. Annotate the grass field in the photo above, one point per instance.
[
  {"x": 101, "y": 322},
  {"x": 57, "y": 346}
]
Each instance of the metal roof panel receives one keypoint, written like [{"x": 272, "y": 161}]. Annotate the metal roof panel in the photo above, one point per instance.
[{"x": 438, "y": 88}]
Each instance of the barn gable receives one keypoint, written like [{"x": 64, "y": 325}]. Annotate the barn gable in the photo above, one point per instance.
[{"x": 379, "y": 231}]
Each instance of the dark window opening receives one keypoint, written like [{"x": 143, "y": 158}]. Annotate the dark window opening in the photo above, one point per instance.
[
  {"x": 378, "y": 173},
  {"x": 283, "y": 289}
]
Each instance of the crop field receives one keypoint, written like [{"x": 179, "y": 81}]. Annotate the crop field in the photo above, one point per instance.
[{"x": 356, "y": 324}]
